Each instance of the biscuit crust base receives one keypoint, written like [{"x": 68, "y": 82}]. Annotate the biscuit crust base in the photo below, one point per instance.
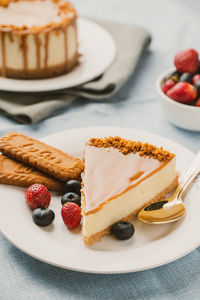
[
  {"x": 48, "y": 72},
  {"x": 90, "y": 240}
]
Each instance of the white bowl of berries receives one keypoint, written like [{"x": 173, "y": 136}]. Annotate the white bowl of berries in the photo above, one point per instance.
[{"x": 179, "y": 91}]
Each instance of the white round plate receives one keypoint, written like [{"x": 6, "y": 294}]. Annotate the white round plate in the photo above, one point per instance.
[
  {"x": 151, "y": 245},
  {"x": 97, "y": 49}
]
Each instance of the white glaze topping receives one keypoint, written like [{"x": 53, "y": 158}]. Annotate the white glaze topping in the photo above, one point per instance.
[
  {"x": 109, "y": 173},
  {"x": 30, "y": 13}
]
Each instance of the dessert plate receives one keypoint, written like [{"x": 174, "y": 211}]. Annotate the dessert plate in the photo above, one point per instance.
[
  {"x": 97, "y": 54},
  {"x": 151, "y": 245}
]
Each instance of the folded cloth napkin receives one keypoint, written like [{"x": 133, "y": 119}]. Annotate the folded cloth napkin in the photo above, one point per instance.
[{"x": 30, "y": 108}]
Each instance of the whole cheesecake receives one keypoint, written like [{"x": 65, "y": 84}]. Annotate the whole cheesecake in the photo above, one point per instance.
[
  {"x": 38, "y": 38},
  {"x": 120, "y": 178}
]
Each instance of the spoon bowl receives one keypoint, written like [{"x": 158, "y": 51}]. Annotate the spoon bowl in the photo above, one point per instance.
[
  {"x": 162, "y": 212},
  {"x": 171, "y": 209}
]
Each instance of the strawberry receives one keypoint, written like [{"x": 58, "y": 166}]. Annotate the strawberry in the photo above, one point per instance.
[
  {"x": 198, "y": 102},
  {"x": 195, "y": 78},
  {"x": 71, "y": 214},
  {"x": 37, "y": 195},
  {"x": 183, "y": 92},
  {"x": 186, "y": 61},
  {"x": 168, "y": 84}
]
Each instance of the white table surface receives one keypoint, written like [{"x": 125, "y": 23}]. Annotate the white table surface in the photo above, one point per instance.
[{"x": 174, "y": 25}]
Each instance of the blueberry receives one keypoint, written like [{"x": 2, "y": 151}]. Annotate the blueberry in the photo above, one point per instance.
[
  {"x": 43, "y": 216},
  {"x": 198, "y": 70},
  {"x": 123, "y": 230},
  {"x": 176, "y": 73},
  {"x": 186, "y": 77},
  {"x": 73, "y": 186},
  {"x": 197, "y": 84},
  {"x": 175, "y": 76},
  {"x": 71, "y": 197}
]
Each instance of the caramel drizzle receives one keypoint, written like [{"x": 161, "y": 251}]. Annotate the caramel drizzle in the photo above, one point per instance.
[
  {"x": 24, "y": 47},
  {"x": 10, "y": 35},
  {"x": 126, "y": 190},
  {"x": 64, "y": 8},
  {"x": 3, "y": 71},
  {"x": 136, "y": 176},
  {"x": 38, "y": 45},
  {"x": 46, "y": 49}
]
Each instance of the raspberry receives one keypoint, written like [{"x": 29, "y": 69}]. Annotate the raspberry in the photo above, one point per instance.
[
  {"x": 183, "y": 92},
  {"x": 186, "y": 61},
  {"x": 71, "y": 214},
  {"x": 37, "y": 195},
  {"x": 168, "y": 84},
  {"x": 198, "y": 102}
]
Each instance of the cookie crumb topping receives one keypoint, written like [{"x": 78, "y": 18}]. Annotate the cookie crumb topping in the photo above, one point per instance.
[{"x": 128, "y": 146}]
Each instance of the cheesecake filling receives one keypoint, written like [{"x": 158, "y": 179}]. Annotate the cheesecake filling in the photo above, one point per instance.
[
  {"x": 33, "y": 13},
  {"x": 38, "y": 38},
  {"x": 115, "y": 174},
  {"x": 121, "y": 177},
  {"x": 29, "y": 13},
  {"x": 152, "y": 187}
]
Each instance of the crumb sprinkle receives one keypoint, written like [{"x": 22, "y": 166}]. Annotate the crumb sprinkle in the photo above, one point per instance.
[{"x": 128, "y": 146}]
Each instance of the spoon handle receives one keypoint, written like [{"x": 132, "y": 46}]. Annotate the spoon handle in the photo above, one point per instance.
[{"x": 192, "y": 172}]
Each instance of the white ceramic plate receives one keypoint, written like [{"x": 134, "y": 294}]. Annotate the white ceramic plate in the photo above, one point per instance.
[
  {"x": 97, "y": 49},
  {"x": 151, "y": 245}
]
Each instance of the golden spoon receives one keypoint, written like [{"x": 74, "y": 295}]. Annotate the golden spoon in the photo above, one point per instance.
[{"x": 171, "y": 209}]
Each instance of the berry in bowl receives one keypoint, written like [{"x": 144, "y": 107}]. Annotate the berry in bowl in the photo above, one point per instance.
[{"x": 179, "y": 90}]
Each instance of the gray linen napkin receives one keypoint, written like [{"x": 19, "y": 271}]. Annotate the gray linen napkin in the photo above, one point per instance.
[{"x": 30, "y": 108}]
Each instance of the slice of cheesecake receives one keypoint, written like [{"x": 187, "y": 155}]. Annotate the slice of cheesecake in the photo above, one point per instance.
[
  {"x": 38, "y": 38},
  {"x": 120, "y": 178}
]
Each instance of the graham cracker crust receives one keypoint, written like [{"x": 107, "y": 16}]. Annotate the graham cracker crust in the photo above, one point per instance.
[
  {"x": 90, "y": 240},
  {"x": 48, "y": 72}
]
